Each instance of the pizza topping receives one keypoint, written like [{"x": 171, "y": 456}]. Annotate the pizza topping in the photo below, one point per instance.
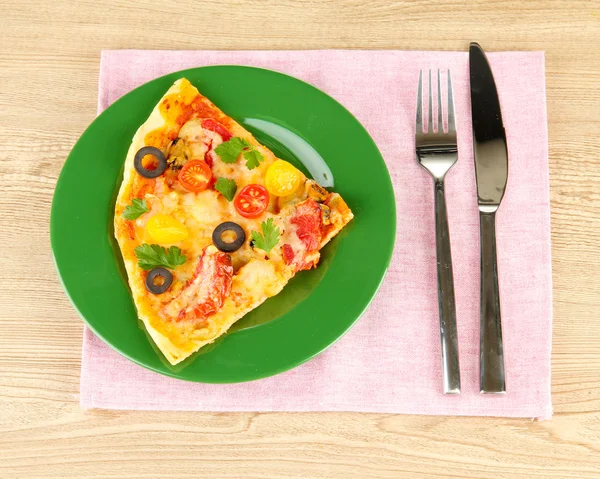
[
  {"x": 230, "y": 151},
  {"x": 316, "y": 191},
  {"x": 195, "y": 176},
  {"x": 136, "y": 209},
  {"x": 299, "y": 261},
  {"x": 282, "y": 178},
  {"x": 179, "y": 154},
  {"x": 325, "y": 214},
  {"x": 154, "y": 204},
  {"x": 206, "y": 291},
  {"x": 303, "y": 235},
  {"x": 226, "y": 187},
  {"x": 269, "y": 237},
  {"x": 192, "y": 132},
  {"x": 209, "y": 157},
  {"x": 215, "y": 126},
  {"x": 288, "y": 254},
  {"x": 308, "y": 222},
  {"x": 158, "y": 280},
  {"x": 152, "y": 255},
  {"x": 228, "y": 236},
  {"x": 195, "y": 138},
  {"x": 151, "y": 167},
  {"x": 165, "y": 229},
  {"x": 251, "y": 201},
  {"x": 253, "y": 158}
]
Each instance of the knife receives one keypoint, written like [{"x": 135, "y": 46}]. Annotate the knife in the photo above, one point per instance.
[{"x": 491, "y": 171}]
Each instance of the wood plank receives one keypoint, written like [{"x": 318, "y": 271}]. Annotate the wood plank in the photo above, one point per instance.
[{"x": 49, "y": 61}]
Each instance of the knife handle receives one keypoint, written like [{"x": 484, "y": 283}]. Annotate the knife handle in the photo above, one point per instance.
[
  {"x": 491, "y": 355},
  {"x": 446, "y": 303}
]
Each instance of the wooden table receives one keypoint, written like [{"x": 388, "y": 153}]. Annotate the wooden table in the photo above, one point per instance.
[{"x": 49, "y": 58}]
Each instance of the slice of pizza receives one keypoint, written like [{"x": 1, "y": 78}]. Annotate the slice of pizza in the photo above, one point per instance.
[{"x": 210, "y": 223}]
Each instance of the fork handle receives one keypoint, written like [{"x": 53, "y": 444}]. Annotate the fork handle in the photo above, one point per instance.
[
  {"x": 491, "y": 355},
  {"x": 446, "y": 303}
]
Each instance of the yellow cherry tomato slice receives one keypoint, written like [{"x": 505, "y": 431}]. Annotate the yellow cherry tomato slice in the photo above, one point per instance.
[
  {"x": 165, "y": 229},
  {"x": 282, "y": 178}
]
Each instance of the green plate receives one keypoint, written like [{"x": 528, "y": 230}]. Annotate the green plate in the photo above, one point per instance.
[{"x": 300, "y": 124}]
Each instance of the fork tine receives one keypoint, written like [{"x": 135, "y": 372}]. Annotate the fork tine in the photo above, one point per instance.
[
  {"x": 451, "y": 120},
  {"x": 440, "y": 127},
  {"x": 430, "y": 108},
  {"x": 419, "y": 122}
]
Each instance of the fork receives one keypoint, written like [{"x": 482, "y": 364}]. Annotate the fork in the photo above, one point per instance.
[{"x": 437, "y": 152}]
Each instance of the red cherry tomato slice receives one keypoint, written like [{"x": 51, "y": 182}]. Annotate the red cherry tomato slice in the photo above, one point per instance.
[
  {"x": 251, "y": 201},
  {"x": 195, "y": 176}
]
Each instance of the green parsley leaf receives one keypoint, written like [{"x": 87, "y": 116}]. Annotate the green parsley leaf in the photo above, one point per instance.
[
  {"x": 226, "y": 187},
  {"x": 174, "y": 257},
  {"x": 152, "y": 255},
  {"x": 269, "y": 237},
  {"x": 253, "y": 158},
  {"x": 136, "y": 209},
  {"x": 230, "y": 150}
]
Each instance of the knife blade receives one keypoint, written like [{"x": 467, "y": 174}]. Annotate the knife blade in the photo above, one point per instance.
[{"x": 491, "y": 172}]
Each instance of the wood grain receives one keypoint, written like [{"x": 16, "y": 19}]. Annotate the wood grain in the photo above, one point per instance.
[{"x": 49, "y": 57}]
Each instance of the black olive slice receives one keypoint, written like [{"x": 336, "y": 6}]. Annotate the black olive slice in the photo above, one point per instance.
[
  {"x": 229, "y": 246},
  {"x": 145, "y": 172},
  {"x": 159, "y": 280}
]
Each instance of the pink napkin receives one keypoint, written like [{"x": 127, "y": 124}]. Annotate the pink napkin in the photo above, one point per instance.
[{"x": 390, "y": 361}]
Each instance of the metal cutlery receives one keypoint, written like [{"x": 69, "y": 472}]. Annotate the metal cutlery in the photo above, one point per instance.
[
  {"x": 437, "y": 152},
  {"x": 491, "y": 171}
]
